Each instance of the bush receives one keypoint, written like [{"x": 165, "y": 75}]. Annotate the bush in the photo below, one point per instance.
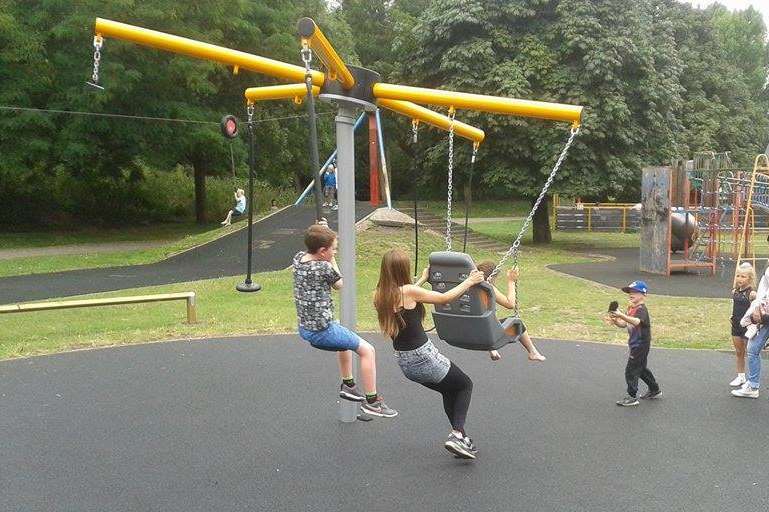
[{"x": 141, "y": 195}]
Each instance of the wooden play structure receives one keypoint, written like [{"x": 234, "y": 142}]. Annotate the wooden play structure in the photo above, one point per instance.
[{"x": 703, "y": 214}]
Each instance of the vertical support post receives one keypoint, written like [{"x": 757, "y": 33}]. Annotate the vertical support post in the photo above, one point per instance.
[
  {"x": 624, "y": 218},
  {"x": 192, "y": 316},
  {"x": 373, "y": 158},
  {"x": 385, "y": 176},
  {"x": 345, "y": 148},
  {"x": 589, "y": 208}
]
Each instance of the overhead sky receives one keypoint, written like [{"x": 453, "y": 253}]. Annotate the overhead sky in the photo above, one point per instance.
[{"x": 760, "y": 5}]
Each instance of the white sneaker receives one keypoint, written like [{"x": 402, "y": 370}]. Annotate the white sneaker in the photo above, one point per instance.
[
  {"x": 745, "y": 392},
  {"x": 461, "y": 447},
  {"x": 739, "y": 380}
]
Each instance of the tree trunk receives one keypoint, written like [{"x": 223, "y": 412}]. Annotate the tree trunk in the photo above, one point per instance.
[
  {"x": 200, "y": 193},
  {"x": 298, "y": 182},
  {"x": 542, "y": 224}
]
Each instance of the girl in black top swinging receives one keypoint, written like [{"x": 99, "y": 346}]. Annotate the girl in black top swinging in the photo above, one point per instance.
[{"x": 400, "y": 308}]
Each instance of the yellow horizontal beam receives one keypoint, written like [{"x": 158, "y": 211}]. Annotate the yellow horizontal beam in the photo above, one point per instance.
[
  {"x": 495, "y": 104},
  {"x": 321, "y": 47},
  {"x": 433, "y": 118},
  {"x": 112, "y": 301},
  {"x": 297, "y": 92},
  {"x": 184, "y": 46}
]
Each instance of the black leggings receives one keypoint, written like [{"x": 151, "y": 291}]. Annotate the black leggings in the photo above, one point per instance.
[{"x": 456, "y": 388}]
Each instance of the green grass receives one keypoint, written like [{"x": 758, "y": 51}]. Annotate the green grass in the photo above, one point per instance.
[
  {"x": 553, "y": 305},
  {"x": 92, "y": 235},
  {"x": 478, "y": 208},
  {"x": 178, "y": 238},
  {"x": 579, "y": 240}
]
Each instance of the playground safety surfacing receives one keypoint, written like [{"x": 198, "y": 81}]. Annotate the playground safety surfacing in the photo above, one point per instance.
[
  {"x": 251, "y": 424},
  {"x": 620, "y": 266}
]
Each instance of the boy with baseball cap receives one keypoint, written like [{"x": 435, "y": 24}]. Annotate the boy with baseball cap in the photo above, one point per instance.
[{"x": 638, "y": 325}]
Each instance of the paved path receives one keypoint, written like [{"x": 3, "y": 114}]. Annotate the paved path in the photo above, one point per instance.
[
  {"x": 250, "y": 424},
  {"x": 622, "y": 267},
  {"x": 276, "y": 240},
  {"x": 79, "y": 249}
]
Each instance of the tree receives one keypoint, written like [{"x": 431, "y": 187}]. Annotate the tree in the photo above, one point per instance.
[
  {"x": 725, "y": 64},
  {"x": 616, "y": 58},
  {"x": 46, "y": 56}
]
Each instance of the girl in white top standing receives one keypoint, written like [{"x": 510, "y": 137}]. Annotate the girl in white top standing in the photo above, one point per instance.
[{"x": 743, "y": 294}]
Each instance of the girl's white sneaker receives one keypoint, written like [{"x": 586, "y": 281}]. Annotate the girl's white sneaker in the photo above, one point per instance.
[
  {"x": 739, "y": 380},
  {"x": 745, "y": 392}
]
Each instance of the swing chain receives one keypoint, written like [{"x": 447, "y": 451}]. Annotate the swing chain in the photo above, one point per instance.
[
  {"x": 513, "y": 251},
  {"x": 98, "y": 42},
  {"x": 250, "y": 124},
  {"x": 451, "y": 178},
  {"x": 414, "y": 131},
  {"x": 306, "y": 54}
]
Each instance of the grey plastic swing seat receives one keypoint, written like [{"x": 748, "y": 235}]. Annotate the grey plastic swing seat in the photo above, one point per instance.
[{"x": 470, "y": 322}]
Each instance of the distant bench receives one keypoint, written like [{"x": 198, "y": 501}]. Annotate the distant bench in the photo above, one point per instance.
[{"x": 86, "y": 303}]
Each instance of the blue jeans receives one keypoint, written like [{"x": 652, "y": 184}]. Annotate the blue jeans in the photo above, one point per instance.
[
  {"x": 334, "y": 338},
  {"x": 755, "y": 345}
]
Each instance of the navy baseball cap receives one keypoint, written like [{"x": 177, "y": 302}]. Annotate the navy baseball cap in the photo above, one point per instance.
[{"x": 636, "y": 286}]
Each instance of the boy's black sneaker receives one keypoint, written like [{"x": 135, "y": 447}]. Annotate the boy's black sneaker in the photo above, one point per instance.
[
  {"x": 651, "y": 395},
  {"x": 351, "y": 393},
  {"x": 628, "y": 401}
]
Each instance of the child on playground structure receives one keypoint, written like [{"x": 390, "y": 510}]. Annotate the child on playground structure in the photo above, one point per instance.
[
  {"x": 638, "y": 325},
  {"x": 315, "y": 274},
  {"x": 400, "y": 309},
  {"x": 508, "y": 301},
  {"x": 329, "y": 186},
  {"x": 238, "y": 209},
  {"x": 743, "y": 294}
]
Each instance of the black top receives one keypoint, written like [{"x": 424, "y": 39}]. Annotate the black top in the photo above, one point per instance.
[
  {"x": 412, "y": 334},
  {"x": 640, "y": 335},
  {"x": 740, "y": 302}
]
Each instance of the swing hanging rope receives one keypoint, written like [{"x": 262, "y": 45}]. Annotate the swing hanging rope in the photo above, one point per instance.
[
  {"x": 452, "y": 113},
  {"x": 306, "y": 54},
  {"x": 414, "y": 141},
  {"x": 469, "y": 195},
  {"x": 513, "y": 250}
]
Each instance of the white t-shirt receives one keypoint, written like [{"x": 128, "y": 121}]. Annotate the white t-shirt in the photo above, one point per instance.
[{"x": 241, "y": 204}]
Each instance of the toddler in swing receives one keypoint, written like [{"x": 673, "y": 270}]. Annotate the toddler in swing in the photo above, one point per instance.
[{"x": 508, "y": 301}]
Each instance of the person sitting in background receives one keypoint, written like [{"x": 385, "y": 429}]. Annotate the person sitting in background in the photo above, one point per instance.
[{"x": 239, "y": 208}]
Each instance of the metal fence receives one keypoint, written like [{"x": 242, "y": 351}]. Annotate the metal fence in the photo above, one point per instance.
[{"x": 613, "y": 217}]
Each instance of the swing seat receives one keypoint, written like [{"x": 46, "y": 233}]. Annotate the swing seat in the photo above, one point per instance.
[{"x": 470, "y": 322}]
